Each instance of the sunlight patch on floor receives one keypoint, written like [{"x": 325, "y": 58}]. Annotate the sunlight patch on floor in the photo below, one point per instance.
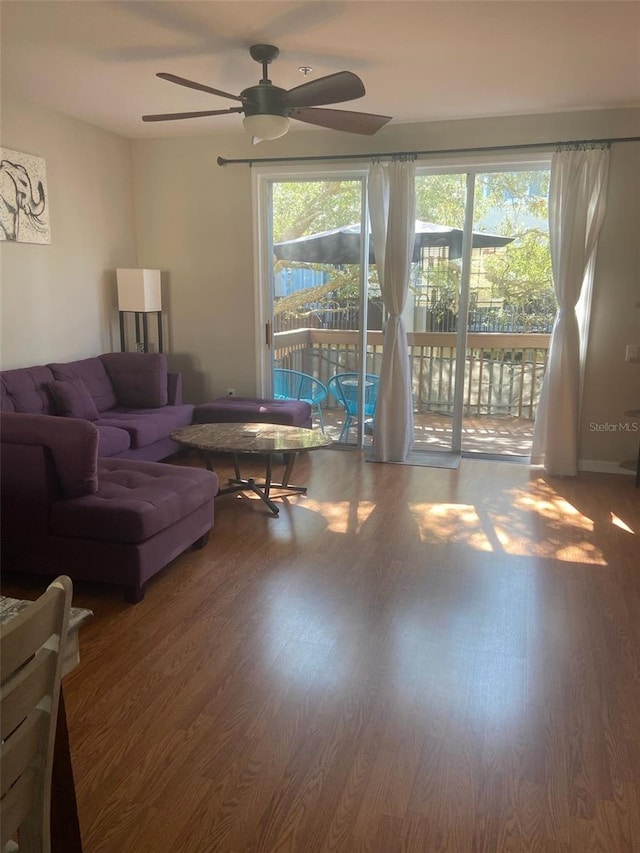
[
  {"x": 526, "y": 526},
  {"x": 342, "y": 516},
  {"x": 459, "y": 523},
  {"x": 528, "y": 521},
  {"x": 548, "y": 505},
  {"x": 618, "y": 522}
]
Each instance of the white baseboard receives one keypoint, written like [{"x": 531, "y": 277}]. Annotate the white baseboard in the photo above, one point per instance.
[{"x": 598, "y": 466}]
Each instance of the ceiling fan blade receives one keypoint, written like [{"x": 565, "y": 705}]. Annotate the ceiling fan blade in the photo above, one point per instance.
[
  {"x": 350, "y": 122},
  {"x": 181, "y": 81},
  {"x": 332, "y": 89},
  {"x": 199, "y": 114}
]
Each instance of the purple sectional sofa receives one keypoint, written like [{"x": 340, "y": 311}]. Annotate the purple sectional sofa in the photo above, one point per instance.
[
  {"x": 131, "y": 398},
  {"x": 66, "y": 510},
  {"x": 83, "y": 492}
]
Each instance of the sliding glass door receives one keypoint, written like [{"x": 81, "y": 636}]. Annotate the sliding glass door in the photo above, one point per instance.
[
  {"x": 512, "y": 307},
  {"x": 318, "y": 301},
  {"x": 478, "y": 315},
  {"x": 482, "y": 308}
]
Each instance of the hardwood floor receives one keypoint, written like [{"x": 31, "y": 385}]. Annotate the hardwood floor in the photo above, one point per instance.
[{"x": 407, "y": 659}]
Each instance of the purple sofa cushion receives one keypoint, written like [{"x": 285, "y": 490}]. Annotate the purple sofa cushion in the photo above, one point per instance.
[
  {"x": 112, "y": 440},
  {"x": 144, "y": 426},
  {"x": 73, "y": 444},
  {"x": 73, "y": 400},
  {"x": 135, "y": 500},
  {"x": 94, "y": 376},
  {"x": 139, "y": 379},
  {"x": 254, "y": 410},
  {"x": 26, "y": 390}
]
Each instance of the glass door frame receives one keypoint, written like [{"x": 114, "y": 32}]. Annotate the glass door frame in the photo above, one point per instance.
[{"x": 262, "y": 179}]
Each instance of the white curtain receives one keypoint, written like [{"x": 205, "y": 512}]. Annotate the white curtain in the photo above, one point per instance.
[
  {"x": 577, "y": 200},
  {"x": 392, "y": 209}
]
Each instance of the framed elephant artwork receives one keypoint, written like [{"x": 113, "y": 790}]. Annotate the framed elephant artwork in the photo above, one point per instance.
[{"x": 24, "y": 198}]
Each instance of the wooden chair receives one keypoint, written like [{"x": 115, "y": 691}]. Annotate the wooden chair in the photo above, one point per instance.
[{"x": 32, "y": 646}]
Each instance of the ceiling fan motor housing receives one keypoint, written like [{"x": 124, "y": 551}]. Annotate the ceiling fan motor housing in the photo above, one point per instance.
[
  {"x": 264, "y": 99},
  {"x": 264, "y": 52}
]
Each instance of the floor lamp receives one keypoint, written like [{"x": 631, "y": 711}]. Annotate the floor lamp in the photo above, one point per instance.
[{"x": 139, "y": 293}]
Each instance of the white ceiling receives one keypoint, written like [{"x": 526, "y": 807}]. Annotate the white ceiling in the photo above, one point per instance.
[{"x": 420, "y": 60}]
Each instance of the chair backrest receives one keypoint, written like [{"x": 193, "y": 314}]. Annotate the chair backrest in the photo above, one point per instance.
[
  {"x": 32, "y": 646},
  {"x": 344, "y": 387},
  {"x": 295, "y": 385}
]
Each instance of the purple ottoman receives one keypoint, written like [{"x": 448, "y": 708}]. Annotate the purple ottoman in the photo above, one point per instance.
[{"x": 243, "y": 410}]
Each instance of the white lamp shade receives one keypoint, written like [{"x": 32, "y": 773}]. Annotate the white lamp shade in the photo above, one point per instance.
[
  {"x": 139, "y": 290},
  {"x": 266, "y": 126}
]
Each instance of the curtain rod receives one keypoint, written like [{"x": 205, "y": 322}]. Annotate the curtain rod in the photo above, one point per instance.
[{"x": 222, "y": 161}]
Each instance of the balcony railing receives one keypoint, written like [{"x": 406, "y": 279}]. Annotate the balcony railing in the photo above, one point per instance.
[{"x": 503, "y": 372}]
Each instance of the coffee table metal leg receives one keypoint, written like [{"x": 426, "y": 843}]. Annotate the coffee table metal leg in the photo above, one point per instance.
[
  {"x": 263, "y": 490},
  {"x": 263, "y": 494},
  {"x": 267, "y": 476},
  {"x": 241, "y": 484},
  {"x": 290, "y": 459}
]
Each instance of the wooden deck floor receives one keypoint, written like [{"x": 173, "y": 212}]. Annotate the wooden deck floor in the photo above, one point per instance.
[{"x": 505, "y": 436}]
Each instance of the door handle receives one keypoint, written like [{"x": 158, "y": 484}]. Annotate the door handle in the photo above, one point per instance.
[{"x": 268, "y": 334}]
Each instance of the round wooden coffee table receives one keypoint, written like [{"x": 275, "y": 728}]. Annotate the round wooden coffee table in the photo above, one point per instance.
[{"x": 257, "y": 440}]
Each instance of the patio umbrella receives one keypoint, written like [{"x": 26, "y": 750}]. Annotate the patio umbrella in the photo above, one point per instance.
[{"x": 342, "y": 245}]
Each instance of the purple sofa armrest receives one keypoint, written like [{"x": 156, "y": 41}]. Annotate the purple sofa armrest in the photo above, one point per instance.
[
  {"x": 73, "y": 444},
  {"x": 174, "y": 389}
]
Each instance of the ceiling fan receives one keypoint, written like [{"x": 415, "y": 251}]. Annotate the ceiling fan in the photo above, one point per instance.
[{"x": 268, "y": 108}]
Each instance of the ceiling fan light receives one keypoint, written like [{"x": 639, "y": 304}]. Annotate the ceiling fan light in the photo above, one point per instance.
[{"x": 266, "y": 126}]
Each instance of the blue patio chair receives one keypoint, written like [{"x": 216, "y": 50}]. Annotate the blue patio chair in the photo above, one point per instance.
[
  {"x": 294, "y": 385},
  {"x": 344, "y": 387}
]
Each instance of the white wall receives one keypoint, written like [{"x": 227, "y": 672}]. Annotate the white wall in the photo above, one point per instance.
[
  {"x": 194, "y": 222},
  {"x": 58, "y": 301},
  {"x": 612, "y": 385}
]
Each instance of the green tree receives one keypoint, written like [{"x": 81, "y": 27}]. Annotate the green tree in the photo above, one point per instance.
[
  {"x": 305, "y": 207},
  {"x": 521, "y": 275},
  {"x": 441, "y": 199}
]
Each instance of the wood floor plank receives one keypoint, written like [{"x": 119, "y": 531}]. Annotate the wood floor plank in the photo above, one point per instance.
[{"x": 407, "y": 659}]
